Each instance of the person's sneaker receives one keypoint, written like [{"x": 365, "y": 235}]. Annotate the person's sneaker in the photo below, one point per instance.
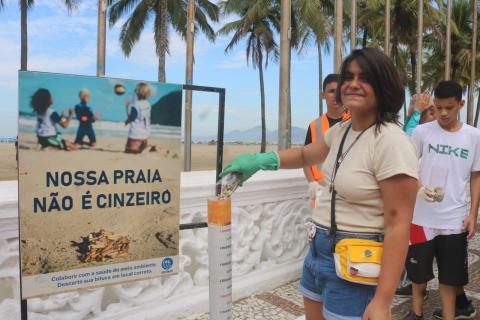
[
  {"x": 460, "y": 313},
  {"x": 404, "y": 291},
  {"x": 412, "y": 316}
]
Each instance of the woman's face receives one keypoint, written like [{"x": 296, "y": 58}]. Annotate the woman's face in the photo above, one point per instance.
[{"x": 356, "y": 92}]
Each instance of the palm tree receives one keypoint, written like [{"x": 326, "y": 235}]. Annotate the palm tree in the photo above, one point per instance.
[
  {"x": 315, "y": 23},
  {"x": 461, "y": 43},
  {"x": 165, "y": 13},
  {"x": 404, "y": 25},
  {"x": 257, "y": 22},
  {"x": 25, "y": 5}
]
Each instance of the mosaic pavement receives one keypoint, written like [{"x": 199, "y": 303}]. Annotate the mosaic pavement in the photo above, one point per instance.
[{"x": 285, "y": 302}]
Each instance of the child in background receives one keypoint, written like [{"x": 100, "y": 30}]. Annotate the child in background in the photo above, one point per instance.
[
  {"x": 421, "y": 111},
  {"x": 138, "y": 119},
  {"x": 47, "y": 121},
  {"x": 442, "y": 222},
  {"x": 85, "y": 118}
]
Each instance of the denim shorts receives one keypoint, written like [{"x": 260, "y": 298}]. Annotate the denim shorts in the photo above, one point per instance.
[{"x": 342, "y": 300}]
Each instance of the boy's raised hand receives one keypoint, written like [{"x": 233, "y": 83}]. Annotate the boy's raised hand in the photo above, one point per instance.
[
  {"x": 411, "y": 106},
  {"x": 248, "y": 164},
  {"x": 423, "y": 102}
]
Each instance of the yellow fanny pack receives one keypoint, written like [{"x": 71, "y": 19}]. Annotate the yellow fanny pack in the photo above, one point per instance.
[{"x": 358, "y": 260}]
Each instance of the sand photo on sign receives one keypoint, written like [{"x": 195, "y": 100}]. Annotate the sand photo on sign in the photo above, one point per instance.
[{"x": 99, "y": 171}]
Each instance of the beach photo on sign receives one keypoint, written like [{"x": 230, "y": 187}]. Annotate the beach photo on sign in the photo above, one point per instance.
[{"x": 99, "y": 171}]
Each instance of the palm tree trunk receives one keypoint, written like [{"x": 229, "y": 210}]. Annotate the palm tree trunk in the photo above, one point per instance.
[
  {"x": 413, "y": 62},
  {"x": 477, "y": 113},
  {"x": 285, "y": 25},
  {"x": 187, "y": 164},
  {"x": 101, "y": 33},
  {"x": 320, "y": 78},
  {"x": 418, "y": 73},
  {"x": 289, "y": 101},
  {"x": 353, "y": 25},
  {"x": 471, "y": 87},
  {"x": 263, "y": 145},
  {"x": 23, "y": 37},
  {"x": 364, "y": 38},
  {"x": 162, "y": 38},
  {"x": 448, "y": 45},
  {"x": 338, "y": 33},
  {"x": 386, "y": 42}
]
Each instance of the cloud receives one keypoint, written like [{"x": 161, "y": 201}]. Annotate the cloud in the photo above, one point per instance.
[
  {"x": 58, "y": 6},
  {"x": 77, "y": 62},
  {"x": 235, "y": 61},
  {"x": 144, "y": 54},
  {"x": 60, "y": 26}
]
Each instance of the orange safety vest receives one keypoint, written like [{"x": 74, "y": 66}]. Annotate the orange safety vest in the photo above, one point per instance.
[{"x": 318, "y": 127}]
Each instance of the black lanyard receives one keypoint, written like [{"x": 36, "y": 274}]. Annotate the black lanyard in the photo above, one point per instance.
[{"x": 333, "y": 223}]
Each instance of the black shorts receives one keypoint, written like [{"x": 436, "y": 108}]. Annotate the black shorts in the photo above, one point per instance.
[
  {"x": 52, "y": 141},
  {"x": 452, "y": 260},
  {"x": 85, "y": 131}
]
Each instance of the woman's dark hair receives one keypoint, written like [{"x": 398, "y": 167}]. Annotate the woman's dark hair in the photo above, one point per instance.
[
  {"x": 41, "y": 100},
  {"x": 384, "y": 79}
]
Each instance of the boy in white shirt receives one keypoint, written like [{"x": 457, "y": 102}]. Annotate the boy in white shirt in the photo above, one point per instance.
[
  {"x": 442, "y": 221},
  {"x": 139, "y": 114}
]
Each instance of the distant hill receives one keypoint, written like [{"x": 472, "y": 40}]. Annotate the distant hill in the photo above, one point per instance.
[
  {"x": 254, "y": 135},
  {"x": 6, "y": 139}
]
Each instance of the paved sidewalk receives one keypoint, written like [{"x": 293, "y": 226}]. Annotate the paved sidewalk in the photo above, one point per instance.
[{"x": 285, "y": 302}]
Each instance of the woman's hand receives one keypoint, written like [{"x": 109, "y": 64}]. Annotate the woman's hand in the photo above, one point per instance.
[
  {"x": 377, "y": 310},
  {"x": 249, "y": 163}
]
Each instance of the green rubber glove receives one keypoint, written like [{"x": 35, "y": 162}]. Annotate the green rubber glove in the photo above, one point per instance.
[{"x": 249, "y": 163}]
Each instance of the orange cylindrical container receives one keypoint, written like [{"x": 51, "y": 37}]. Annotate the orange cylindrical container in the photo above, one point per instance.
[
  {"x": 220, "y": 259},
  {"x": 219, "y": 212}
]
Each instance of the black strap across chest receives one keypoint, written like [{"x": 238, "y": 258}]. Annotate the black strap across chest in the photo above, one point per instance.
[{"x": 333, "y": 223}]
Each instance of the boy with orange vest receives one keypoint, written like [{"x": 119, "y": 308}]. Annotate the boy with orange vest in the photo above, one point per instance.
[{"x": 335, "y": 113}]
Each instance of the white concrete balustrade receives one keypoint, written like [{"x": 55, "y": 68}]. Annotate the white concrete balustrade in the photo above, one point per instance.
[{"x": 269, "y": 243}]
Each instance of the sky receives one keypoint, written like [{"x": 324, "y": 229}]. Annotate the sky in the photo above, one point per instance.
[{"x": 66, "y": 43}]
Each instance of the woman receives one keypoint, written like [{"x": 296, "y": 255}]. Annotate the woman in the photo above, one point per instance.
[{"x": 377, "y": 161}]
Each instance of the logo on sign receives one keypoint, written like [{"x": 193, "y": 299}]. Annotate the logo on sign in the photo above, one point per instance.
[{"x": 167, "y": 263}]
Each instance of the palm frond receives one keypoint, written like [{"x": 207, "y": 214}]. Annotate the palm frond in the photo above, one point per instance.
[
  {"x": 160, "y": 31},
  {"x": 201, "y": 22},
  {"x": 133, "y": 27},
  {"x": 119, "y": 8},
  {"x": 211, "y": 10}
]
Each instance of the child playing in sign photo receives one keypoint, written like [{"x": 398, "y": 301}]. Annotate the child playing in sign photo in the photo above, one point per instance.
[
  {"x": 138, "y": 119},
  {"x": 47, "y": 121},
  {"x": 86, "y": 118}
]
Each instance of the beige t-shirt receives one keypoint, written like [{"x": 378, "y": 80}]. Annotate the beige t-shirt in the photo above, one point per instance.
[{"x": 373, "y": 158}]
